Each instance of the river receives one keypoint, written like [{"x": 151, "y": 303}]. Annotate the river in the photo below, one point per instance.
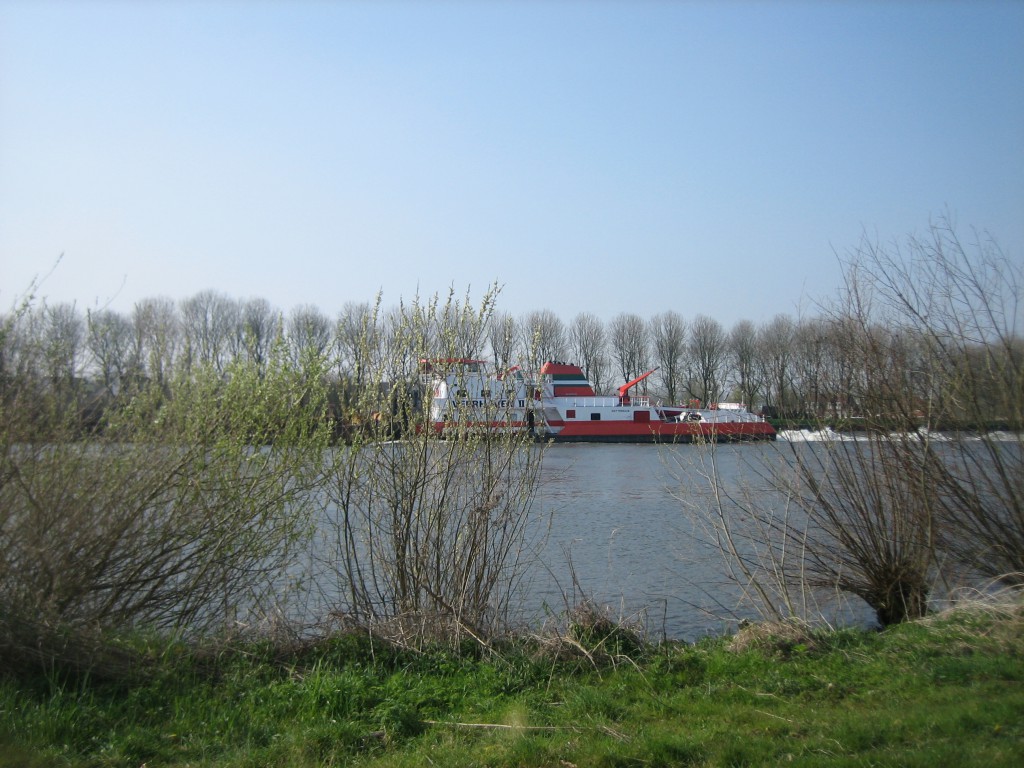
[
  {"x": 620, "y": 527},
  {"x": 624, "y": 534},
  {"x": 619, "y": 537}
]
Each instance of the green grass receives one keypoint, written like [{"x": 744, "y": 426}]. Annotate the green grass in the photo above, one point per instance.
[{"x": 941, "y": 692}]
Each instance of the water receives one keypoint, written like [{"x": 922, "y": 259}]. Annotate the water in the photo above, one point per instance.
[
  {"x": 625, "y": 533},
  {"x": 620, "y": 535},
  {"x": 617, "y": 526}
]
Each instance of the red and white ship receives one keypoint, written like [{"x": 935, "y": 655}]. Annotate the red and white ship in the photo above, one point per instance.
[{"x": 563, "y": 407}]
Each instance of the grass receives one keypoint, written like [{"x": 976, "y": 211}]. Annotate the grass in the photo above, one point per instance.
[{"x": 948, "y": 690}]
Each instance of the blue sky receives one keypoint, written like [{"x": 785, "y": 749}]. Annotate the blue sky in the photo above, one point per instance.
[{"x": 708, "y": 158}]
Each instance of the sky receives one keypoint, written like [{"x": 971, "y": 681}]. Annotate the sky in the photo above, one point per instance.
[{"x": 602, "y": 157}]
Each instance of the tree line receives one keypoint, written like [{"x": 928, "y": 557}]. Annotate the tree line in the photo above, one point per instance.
[{"x": 809, "y": 368}]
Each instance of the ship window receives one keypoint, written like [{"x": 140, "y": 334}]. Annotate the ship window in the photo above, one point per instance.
[
  {"x": 485, "y": 394},
  {"x": 595, "y": 417},
  {"x": 570, "y": 413}
]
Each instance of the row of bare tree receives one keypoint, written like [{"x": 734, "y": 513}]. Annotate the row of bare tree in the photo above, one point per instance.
[{"x": 809, "y": 367}]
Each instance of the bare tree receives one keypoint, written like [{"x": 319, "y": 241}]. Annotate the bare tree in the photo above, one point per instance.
[
  {"x": 9, "y": 345},
  {"x": 110, "y": 344},
  {"x": 810, "y": 359},
  {"x": 588, "y": 342},
  {"x": 813, "y": 521},
  {"x": 870, "y": 529},
  {"x": 208, "y": 322},
  {"x": 668, "y": 333},
  {"x": 708, "y": 349},
  {"x": 397, "y": 353},
  {"x": 355, "y": 340},
  {"x": 630, "y": 345},
  {"x": 258, "y": 327},
  {"x": 543, "y": 336},
  {"x": 502, "y": 335},
  {"x": 429, "y": 538},
  {"x": 64, "y": 333},
  {"x": 309, "y": 332},
  {"x": 841, "y": 378},
  {"x": 157, "y": 338},
  {"x": 953, "y": 360},
  {"x": 743, "y": 356},
  {"x": 775, "y": 342},
  {"x": 22, "y": 355},
  {"x": 463, "y": 324}
]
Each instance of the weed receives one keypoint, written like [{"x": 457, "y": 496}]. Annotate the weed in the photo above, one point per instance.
[{"x": 923, "y": 693}]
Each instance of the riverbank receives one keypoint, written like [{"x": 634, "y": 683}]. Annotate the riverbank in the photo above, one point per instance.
[{"x": 948, "y": 690}]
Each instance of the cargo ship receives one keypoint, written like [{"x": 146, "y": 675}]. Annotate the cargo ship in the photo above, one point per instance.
[{"x": 562, "y": 406}]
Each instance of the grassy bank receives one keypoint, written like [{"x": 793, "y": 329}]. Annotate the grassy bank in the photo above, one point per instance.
[{"x": 945, "y": 691}]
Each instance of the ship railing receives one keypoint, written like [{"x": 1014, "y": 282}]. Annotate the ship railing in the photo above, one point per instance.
[{"x": 643, "y": 401}]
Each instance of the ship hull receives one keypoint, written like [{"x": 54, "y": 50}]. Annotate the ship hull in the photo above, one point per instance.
[{"x": 662, "y": 433}]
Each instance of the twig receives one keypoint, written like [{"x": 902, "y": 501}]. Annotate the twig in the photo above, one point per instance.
[
  {"x": 606, "y": 729},
  {"x": 777, "y": 717},
  {"x": 499, "y": 726}
]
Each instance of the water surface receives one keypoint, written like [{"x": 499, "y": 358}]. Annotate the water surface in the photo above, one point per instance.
[{"x": 621, "y": 536}]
